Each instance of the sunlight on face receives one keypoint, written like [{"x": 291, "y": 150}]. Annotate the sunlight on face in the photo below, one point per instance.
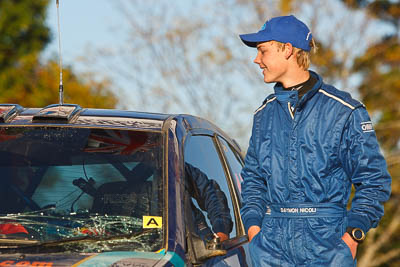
[{"x": 271, "y": 60}]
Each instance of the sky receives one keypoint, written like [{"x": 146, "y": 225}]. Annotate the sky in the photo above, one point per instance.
[
  {"x": 88, "y": 25},
  {"x": 84, "y": 24}
]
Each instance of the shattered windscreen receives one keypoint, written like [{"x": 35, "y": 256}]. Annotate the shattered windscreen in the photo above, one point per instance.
[{"x": 80, "y": 189}]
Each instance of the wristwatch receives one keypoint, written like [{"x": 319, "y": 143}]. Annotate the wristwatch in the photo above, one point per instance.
[{"x": 357, "y": 234}]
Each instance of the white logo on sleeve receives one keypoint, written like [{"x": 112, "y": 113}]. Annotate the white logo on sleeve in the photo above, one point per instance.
[{"x": 367, "y": 126}]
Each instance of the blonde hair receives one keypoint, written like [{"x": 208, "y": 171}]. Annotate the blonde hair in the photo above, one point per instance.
[{"x": 303, "y": 58}]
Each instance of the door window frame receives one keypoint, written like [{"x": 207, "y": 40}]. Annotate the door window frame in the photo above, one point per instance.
[{"x": 228, "y": 174}]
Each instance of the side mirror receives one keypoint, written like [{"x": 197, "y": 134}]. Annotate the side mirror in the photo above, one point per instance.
[{"x": 201, "y": 252}]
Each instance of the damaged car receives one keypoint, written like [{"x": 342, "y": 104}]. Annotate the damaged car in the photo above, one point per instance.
[{"x": 96, "y": 187}]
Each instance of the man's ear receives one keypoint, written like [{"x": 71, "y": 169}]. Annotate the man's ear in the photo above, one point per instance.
[{"x": 288, "y": 50}]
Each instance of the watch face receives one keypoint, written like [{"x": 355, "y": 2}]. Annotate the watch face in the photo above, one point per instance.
[{"x": 358, "y": 234}]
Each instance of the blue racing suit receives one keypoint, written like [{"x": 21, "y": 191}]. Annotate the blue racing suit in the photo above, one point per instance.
[{"x": 299, "y": 170}]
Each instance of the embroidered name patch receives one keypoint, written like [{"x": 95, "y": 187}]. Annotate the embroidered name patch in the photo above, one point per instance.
[
  {"x": 367, "y": 127},
  {"x": 298, "y": 210}
]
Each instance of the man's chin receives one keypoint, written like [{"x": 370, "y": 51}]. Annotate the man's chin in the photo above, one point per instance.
[{"x": 267, "y": 80}]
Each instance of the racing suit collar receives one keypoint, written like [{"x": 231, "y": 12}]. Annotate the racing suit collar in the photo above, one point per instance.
[
  {"x": 283, "y": 95},
  {"x": 315, "y": 88}
]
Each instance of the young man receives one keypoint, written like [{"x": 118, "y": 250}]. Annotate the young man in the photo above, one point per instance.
[{"x": 310, "y": 143}]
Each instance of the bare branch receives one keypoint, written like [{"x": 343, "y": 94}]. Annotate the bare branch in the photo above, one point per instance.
[{"x": 370, "y": 252}]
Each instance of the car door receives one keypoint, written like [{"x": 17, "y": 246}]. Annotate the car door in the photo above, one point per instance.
[
  {"x": 214, "y": 202},
  {"x": 234, "y": 163}
]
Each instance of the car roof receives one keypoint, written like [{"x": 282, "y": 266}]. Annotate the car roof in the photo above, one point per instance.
[
  {"x": 107, "y": 113},
  {"x": 74, "y": 116}
]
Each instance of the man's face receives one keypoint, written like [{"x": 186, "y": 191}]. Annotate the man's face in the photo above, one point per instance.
[{"x": 272, "y": 61}]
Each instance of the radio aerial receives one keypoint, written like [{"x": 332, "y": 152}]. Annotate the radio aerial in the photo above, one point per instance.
[{"x": 61, "y": 89}]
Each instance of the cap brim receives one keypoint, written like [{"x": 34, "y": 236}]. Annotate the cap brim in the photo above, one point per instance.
[{"x": 251, "y": 39}]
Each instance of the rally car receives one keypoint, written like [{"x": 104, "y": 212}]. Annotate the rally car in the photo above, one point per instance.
[{"x": 92, "y": 187}]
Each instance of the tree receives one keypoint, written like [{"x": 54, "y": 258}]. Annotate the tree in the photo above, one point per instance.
[
  {"x": 34, "y": 84},
  {"x": 22, "y": 30},
  {"x": 24, "y": 79},
  {"x": 380, "y": 91}
]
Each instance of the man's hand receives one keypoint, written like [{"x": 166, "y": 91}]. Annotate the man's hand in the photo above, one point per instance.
[
  {"x": 351, "y": 243},
  {"x": 222, "y": 236},
  {"x": 253, "y": 231}
]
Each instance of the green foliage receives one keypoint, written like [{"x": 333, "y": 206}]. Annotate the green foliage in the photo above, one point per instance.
[
  {"x": 33, "y": 84},
  {"x": 22, "y": 30},
  {"x": 24, "y": 79}
]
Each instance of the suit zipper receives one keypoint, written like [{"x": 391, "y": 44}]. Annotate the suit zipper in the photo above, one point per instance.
[{"x": 290, "y": 110}]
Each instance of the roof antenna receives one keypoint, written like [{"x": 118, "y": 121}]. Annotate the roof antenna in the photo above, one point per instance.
[{"x": 61, "y": 88}]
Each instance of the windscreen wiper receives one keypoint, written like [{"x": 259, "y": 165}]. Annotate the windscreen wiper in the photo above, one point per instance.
[
  {"x": 24, "y": 243},
  {"x": 16, "y": 243}
]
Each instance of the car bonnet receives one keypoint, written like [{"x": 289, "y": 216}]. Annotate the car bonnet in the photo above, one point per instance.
[{"x": 116, "y": 258}]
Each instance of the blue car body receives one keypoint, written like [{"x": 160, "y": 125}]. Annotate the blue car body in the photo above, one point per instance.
[{"x": 178, "y": 247}]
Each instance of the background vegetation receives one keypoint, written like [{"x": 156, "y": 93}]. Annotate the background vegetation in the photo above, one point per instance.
[{"x": 24, "y": 79}]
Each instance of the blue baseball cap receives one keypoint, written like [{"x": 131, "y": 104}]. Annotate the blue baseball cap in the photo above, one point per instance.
[{"x": 284, "y": 29}]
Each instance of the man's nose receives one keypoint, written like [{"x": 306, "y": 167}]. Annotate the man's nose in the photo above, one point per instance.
[{"x": 257, "y": 59}]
